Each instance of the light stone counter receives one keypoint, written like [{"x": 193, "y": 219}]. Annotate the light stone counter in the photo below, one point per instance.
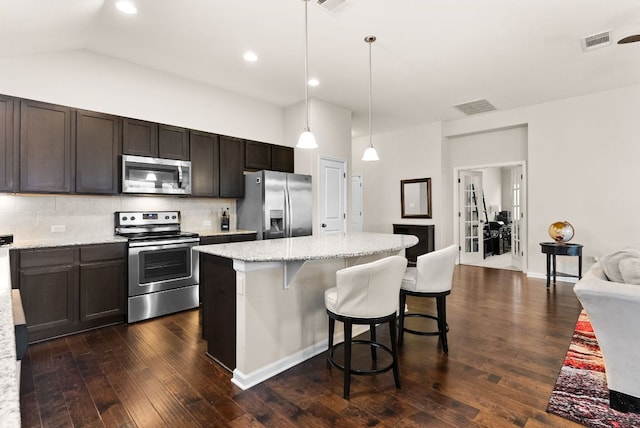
[
  {"x": 311, "y": 247},
  {"x": 9, "y": 394},
  {"x": 278, "y": 288},
  {"x": 66, "y": 241}
]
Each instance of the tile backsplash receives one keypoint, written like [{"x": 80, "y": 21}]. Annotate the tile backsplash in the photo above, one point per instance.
[{"x": 31, "y": 217}]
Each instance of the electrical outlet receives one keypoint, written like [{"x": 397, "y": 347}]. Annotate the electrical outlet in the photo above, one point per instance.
[
  {"x": 57, "y": 228},
  {"x": 206, "y": 223}
]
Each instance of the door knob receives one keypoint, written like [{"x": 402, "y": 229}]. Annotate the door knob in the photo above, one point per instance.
[{"x": 324, "y": 225}]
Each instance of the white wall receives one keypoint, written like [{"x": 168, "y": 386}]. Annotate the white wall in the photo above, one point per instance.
[
  {"x": 331, "y": 125},
  {"x": 405, "y": 154},
  {"x": 95, "y": 82},
  {"x": 492, "y": 186},
  {"x": 582, "y": 164}
]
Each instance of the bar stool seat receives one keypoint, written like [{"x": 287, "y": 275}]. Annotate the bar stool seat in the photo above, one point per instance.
[
  {"x": 365, "y": 294},
  {"x": 432, "y": 277}
]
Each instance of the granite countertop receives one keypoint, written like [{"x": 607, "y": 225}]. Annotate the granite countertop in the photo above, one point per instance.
[
  {"x": 9, "y": 394},
  {"x": 88, "y": 240},
  {"x": 311, "y": 247}
]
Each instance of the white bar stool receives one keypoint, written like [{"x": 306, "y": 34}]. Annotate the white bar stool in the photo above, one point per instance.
[
  {"x": 365, "y": 294},
  {"x": 432, "y": 277}
]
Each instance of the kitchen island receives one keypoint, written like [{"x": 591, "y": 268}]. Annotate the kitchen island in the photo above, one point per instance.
[{"x": 263, "y": 301}]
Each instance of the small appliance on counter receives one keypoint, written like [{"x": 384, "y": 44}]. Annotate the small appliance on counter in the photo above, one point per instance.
[
  {"x": 224, "y": 220},
  {"x": 6, "y": 239}
]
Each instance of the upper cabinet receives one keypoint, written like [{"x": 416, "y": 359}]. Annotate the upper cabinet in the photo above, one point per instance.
[
  {"x": 8, "y": 144},
  {"x": 173, "y": 142},
  {"x": 46, "y": 155},
  {"x": 98, "y": 145},
  {"x": 259, "y": 156},
  {"x": 205, "y": 160},
  {"x": 231, "y": 167},
  {"x": 144, "y": 138},
  {"x": 282, "y": 158},
  {"x": 139, "y": 138}
]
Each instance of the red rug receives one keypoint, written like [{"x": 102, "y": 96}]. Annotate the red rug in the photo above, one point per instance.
[{"x": 581, "y": 392}]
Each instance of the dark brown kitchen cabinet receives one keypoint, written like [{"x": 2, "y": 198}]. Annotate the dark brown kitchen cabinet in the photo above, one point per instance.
[
  {"x": 70, "y": 289},
  {"x": 173, "y": 142},
  {"x": 282, "y": 158},
  {"x": 231, "y": 167},
  {"x": 139, "y": 137},
  {"x": 46, "y": 151},
  {"x": 103, "y": 294},
  {"x": 257, "y": 156},
  {"x": 8, "y": 144},
  {"x": 98, "y": 145},
  {"x": 48, "y": 283},
  {"x": 142, "y": 138},
  {"x": 205, "y": 160}
]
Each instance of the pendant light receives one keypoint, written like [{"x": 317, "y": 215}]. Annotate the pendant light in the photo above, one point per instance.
[
  {"x": 306, "y": 140},
  {"x": 370, "y": 153}
]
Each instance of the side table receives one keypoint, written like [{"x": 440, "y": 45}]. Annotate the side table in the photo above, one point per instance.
[{"x": 553, "y": 249}]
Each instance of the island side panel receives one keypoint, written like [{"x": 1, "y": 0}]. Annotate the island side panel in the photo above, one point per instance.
[
  {"x": 276, "y": 324},
  {"x": 218, "y": 284}
]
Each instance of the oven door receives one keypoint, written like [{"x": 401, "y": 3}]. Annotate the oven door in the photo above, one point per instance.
[{"x": 161, "y": 266}]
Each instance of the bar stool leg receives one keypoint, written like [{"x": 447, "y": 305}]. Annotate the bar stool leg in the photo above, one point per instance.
[
  {"x": 403, "y": 302},
  {"x": 372, "y": 330},
  {"x": 442, "y": 321},
  {"x": 394, "y": 350},
  {"x": 332, "y": 326},
  {"x": 347, "y": 358}
]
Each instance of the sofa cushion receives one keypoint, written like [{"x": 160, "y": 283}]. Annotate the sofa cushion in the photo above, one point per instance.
[
  {"x": 611, "y": 263},
  {"x": 630, "y": 270}
]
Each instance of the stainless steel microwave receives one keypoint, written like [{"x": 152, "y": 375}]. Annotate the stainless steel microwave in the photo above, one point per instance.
[{"x": 141, "y": 174}]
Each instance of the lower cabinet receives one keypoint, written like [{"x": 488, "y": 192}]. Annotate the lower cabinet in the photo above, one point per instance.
[
  {"x": 218, "y": 295},
  {"x": 70, "y": 289},
  {"x": 426, "y": 239}
]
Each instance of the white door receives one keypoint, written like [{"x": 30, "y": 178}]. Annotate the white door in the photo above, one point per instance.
[
  {"x": 471, "y": 216},
  {"x": 356, "y": 204},
  {"x": 517, "y": 215},
  {"x": 332, "y": 191}
]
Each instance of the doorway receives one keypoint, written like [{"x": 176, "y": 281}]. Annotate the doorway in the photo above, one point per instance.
[
  {"x": 491, "y": 215},
  {"x": 332, "y": 194}
]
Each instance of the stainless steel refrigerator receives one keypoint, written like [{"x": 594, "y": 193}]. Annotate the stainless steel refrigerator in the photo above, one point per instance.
[{"x": 276, "y": 204}]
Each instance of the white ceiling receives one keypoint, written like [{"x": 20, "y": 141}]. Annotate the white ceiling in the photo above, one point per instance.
[{"x": 429, "y": 56}]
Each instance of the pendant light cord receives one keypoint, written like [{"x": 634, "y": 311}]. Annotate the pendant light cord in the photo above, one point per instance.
[
  {"x": 306, "y": 61},
  {"x": 370, "y": 96}
]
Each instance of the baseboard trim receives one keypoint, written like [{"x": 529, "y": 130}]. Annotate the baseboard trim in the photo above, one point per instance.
[{"x": 248, "y": 380}]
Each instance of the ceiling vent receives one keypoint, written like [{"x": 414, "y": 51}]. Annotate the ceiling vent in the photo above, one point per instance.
[
  {"x": 475, "y": 107},
  {"x": 595, "y": 41},
  {"x": 331, "y": 5}
]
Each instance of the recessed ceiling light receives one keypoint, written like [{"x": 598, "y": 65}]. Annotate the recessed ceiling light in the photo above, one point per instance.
[
  {"x": 313, "y": 82},
  {"x": 126, "y": 7},
  {"x": 250, "y": 57}
]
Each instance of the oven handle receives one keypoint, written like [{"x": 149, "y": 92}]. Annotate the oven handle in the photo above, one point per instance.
[{"x": 169, "y": 243}]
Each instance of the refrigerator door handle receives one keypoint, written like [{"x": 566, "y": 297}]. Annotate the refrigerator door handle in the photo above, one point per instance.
[{"x": 287, "y": 205}]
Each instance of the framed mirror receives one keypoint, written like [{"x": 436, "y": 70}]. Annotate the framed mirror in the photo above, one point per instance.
[{"x": 415, "y": 198}]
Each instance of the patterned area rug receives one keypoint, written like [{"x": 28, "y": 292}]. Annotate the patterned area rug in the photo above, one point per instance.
[{"x": 581, "y": 392}]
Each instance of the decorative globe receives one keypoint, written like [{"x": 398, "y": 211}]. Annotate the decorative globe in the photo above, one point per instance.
[{"x": 561, "y": 231}]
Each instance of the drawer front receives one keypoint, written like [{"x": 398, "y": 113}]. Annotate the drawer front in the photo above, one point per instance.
[
  {"x": 102, "y": 252},
  {"x": 46, "y": 257}
]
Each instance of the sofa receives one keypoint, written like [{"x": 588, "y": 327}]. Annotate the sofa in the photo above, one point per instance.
[{"x": 614, "y": 311}]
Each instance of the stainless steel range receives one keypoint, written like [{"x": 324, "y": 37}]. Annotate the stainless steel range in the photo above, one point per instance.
[{"x": 163, "y": 268}]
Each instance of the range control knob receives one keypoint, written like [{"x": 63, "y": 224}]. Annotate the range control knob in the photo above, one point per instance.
[
  {"x": 132, "y": 218},
  {"x": 173, "y": 217},
  {"x": 166, "y": 217},
  {"x": 124, "y": 219}
]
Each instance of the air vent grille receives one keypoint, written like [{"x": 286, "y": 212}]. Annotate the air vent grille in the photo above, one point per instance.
[
  {"x": 594, "y": 41},
  {"x": 475, "y": 107}
]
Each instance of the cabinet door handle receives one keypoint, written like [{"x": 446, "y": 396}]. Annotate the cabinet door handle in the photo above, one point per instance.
[{"x": 324, "y": 225}]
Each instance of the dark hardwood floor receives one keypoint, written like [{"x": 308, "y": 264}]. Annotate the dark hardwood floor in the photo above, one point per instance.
[{"x": 507, "y": 341}]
